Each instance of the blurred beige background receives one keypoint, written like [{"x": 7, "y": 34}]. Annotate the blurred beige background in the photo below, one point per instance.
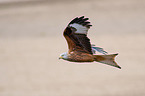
[{"x": 31, "y": 41}]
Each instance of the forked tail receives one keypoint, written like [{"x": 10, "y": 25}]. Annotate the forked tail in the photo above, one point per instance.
[{"x": 107, "y": 59}]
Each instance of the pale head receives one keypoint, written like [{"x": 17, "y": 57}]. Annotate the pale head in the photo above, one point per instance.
[{"x": 63, "y": 56}]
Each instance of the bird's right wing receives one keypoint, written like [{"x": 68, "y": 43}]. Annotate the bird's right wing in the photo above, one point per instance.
[{"x": 98, "y": 49}]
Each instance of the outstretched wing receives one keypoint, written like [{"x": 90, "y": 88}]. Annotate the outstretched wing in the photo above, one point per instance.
[
  {"x": 76, "y": 35},
  {"x": 98, "y": 49}
]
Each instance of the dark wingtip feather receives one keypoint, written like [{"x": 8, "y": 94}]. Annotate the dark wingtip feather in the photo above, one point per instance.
[
  {"x": 82, "y": 17},
  {"x": 82, "y": 21},
  {"x": 119, "y": 67}
]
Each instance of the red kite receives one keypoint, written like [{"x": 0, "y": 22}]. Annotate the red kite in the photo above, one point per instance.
[{"x": 80, "y": 49}]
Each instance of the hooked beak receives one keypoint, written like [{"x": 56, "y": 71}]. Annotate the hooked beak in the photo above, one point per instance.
[{"x": 60, "y": 57}]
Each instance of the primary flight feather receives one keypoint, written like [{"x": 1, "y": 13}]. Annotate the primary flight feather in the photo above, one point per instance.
[{"x": 80, "y": 48}]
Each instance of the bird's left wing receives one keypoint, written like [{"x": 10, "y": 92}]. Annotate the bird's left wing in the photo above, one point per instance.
[{"x": 76, "y": 35}]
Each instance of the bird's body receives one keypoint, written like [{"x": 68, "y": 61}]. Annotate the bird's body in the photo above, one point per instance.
[
  {"x": 76, "y": 56},
  {"x": 80, "y": 49}
]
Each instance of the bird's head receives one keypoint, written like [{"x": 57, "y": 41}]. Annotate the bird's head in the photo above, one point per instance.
[{"x": 63, "y": 56}]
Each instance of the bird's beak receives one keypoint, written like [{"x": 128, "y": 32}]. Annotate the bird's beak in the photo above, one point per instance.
[{"x": 60, "y": 57}]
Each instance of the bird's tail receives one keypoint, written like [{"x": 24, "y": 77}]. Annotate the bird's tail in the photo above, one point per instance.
[{"x": 107, "y": 59}]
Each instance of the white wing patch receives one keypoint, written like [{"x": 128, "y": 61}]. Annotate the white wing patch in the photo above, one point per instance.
[{"x": 80, "y": 29}]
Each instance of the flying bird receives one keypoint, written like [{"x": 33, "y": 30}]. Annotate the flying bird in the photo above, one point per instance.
[{"x": 80, "y": 48}]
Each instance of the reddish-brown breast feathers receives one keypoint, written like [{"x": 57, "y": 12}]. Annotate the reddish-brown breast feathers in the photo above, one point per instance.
[{"x": 78, "y": 56}]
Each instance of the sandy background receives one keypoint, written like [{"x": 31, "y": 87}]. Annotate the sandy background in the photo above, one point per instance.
[{"x": 31, "y": 41}]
